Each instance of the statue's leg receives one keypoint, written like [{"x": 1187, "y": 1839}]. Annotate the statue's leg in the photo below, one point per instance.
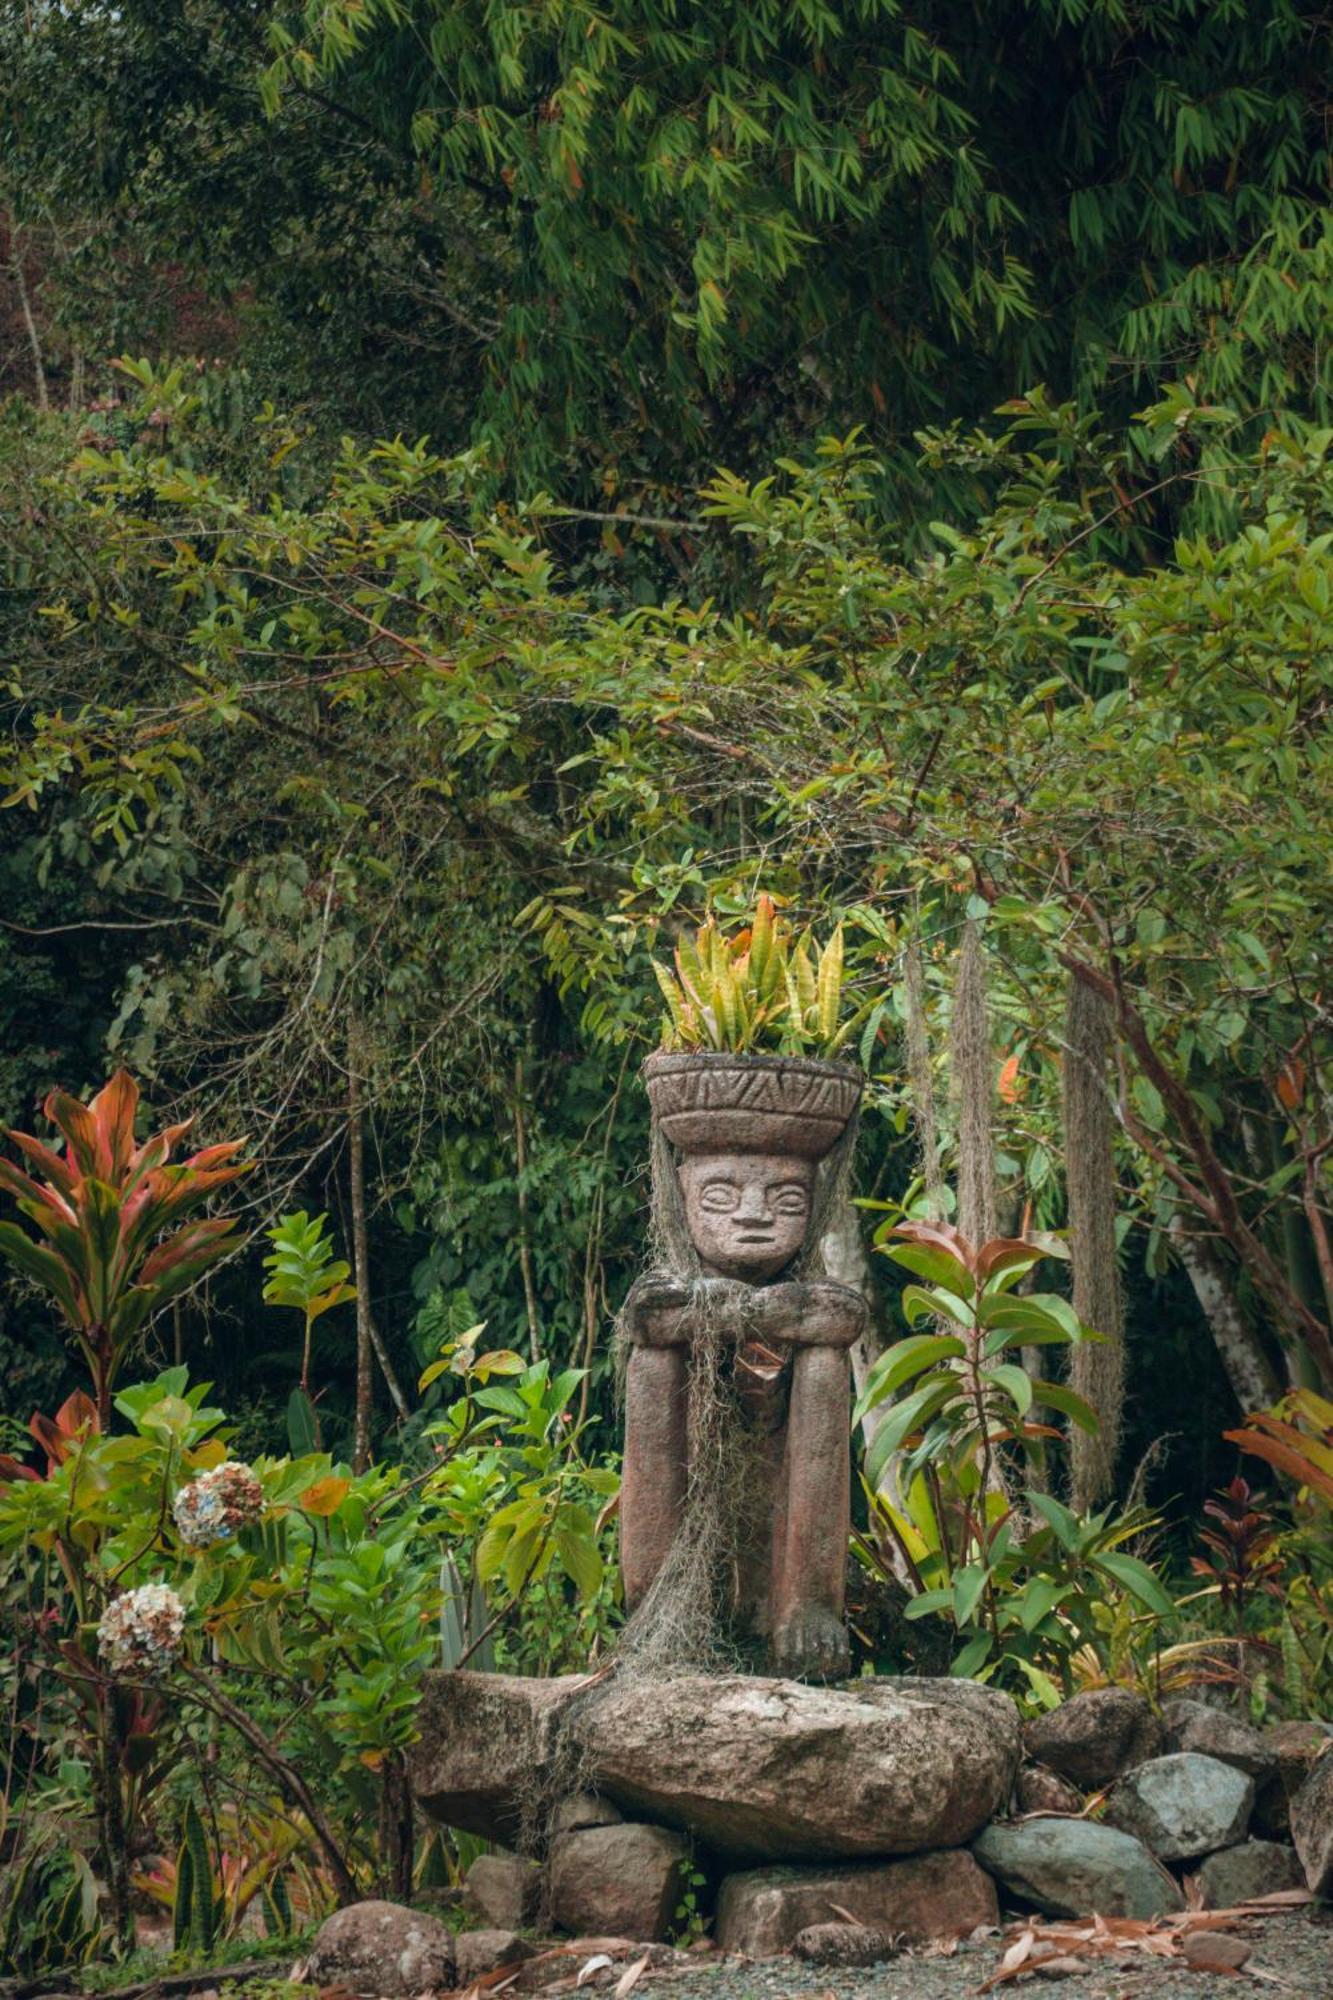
[
  {"x": 809, "y": 1632},
  {"x": 652, "y": 1493}
]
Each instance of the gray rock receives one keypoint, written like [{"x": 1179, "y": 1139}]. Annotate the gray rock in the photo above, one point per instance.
[
  {"x": 759, "y": 1769},
  {"x": 1094, "y": 1737},
  {"x": 1294, "y": 1747},
  {"x": 584, "y": 1809},
  {"x": 486, "y": 1740},
  {"x": 478, "y": 1952},
  {"x": 1312, "y": 1825},
  {"x": 774, "y": 1770},
  {"x": 620, "y": 1881},
  {"x": 762, "y": 1911},
  {"x": 1074, "y": 1867},
  {"x": 842, "y": 1944},
  {"x": 1183, "y": 1806},
  {"x": 1242, "y": 1874},
  {"x": 1197, "y": 1725},
  {"x": 1038, "y": 1790},
  {"x": 382, "y": 1949},
  {"x": 504, "y": 1890}
]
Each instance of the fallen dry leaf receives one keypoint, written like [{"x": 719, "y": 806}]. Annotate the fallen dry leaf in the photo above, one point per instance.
[
  {"x": 602, "y": 1961},
  {"x": 631, "y": 1976},
  {"x": 1200, "y": 1939}
]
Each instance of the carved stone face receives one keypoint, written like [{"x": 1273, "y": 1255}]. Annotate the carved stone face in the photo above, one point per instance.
[{"x": 747, "y": 1212}]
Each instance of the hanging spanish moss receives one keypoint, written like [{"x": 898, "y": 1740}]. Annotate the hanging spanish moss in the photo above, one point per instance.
[
  {"x": 969, "y": 1049},
  {"x": 1097, "y": 1367},
  {"x": 919, "y": 1085}
]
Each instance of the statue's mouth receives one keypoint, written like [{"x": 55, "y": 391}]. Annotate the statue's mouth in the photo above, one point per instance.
[{"x": 756, "y": 1233}]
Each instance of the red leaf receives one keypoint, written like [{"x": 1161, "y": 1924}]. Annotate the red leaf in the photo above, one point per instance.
[{"x": 113, "y": 1111}]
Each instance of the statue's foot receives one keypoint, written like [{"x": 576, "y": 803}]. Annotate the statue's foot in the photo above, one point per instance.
[{"x": 812, "y": 1645}]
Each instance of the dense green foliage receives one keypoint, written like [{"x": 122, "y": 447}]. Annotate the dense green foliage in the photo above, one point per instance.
[{"x": 584, "y": 470}]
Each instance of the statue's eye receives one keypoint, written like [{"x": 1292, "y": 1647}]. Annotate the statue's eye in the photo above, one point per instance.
[
  {"x": 790, "y": 1201},
  {"x": 718, "y": 1196}
]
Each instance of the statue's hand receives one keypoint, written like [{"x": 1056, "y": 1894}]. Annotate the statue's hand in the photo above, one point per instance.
[
  {"x": 657, "y": 1311},
  {"x": 810, "y": 1312}
]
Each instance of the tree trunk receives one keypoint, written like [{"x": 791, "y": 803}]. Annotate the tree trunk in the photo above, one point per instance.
[
  {"x": 1210, "y": 1188},
  {"x": 970, "y": 1054},
  {"x": 920, "y": 1083},
  {"x": 524, "y": 1235},
  {"x": 969, "y": 1046},
  {"x": 365, "y": 1379},
  {"x": 1097, "y": 1368},
  {"x": 40, "y": 394},
  {"x": 399, "y": 1831},
  {"x": 111, "y": 1822},
  {"x": 1248, "y": 1368}
]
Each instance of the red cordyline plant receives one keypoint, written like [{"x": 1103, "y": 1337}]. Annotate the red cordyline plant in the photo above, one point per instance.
[
  {"x": 75, "y": 1419},
  {"x": 103, "y": 1208}
]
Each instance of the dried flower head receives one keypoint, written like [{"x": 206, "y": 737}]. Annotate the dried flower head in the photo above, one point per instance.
[
  {"x": 218, "y": 1503},
  {"x": 142, "y": 1629}
]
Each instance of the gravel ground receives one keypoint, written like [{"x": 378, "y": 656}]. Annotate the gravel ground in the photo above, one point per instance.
[{"x": 1293, "y": 1956}]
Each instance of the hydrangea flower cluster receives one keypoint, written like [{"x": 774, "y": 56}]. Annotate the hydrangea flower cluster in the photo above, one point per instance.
[
  {"x": 217, "y": 1503},
  {"x": 142, "y": 1629}
]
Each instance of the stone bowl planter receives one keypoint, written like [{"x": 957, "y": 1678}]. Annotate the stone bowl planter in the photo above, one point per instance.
[{"x": 713, "y": 1101}]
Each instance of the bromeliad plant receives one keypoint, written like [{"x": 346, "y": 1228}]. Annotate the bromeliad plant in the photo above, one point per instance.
[
  {"x": 1023, "y": 1579},
  {"x": 112, "y": 1213},
  {"x": 757, "y": 992}
]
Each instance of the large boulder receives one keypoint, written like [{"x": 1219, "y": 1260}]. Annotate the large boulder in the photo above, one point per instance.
[
  {"x": 776, "y": 1770},
  {"x": 486, "y": 1742},
  {"x": 763, "y": 1911},
  {"x": 621, "y": 1881},
  {"x": 1094, "y": 1737},
  {"x": 1037, "y": 1790},
  {"x": 758, "y": 1769},
  {"x": 1183, "y": 1806},
  {"x": 582, "y": 1809},
  {"x": 504, "y": 1890},
  {"x": 382, "y": 1949},
  {"x": 1243, "y": 1874},
  {"x": 478, "y": 1952},
  {"x": 1293, "y": 1746},
  {"x": 1312, "y": 1826},
  {"x": 1074, "y": 1867},
  {"x": 1212, "y": 1732}
]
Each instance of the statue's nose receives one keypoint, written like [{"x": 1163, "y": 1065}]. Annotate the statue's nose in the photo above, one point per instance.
[{"x": 752, "y": 1206}]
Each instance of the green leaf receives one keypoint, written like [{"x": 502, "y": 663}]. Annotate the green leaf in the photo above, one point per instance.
[
  {"x": 972, "y": 1658},
  {"x": 919, "y": 1304},
  {"x": 905, "y": 1417},
  {"x": 935, "y": 1266},
  {"x": 581, "y": 1560},
  {"x": 968, "y": 1586},
  {"x": 901, "y": 1362},
  {"x": 1138, "y": 1580},
  {"x": 927, "y": 1602},
  {"x": 1058, "y": 1518},
  {"x": 1015, "y": 1383},
  {"x": 1037, "y": 1600},
  {"x": 1058, "y": 1397}
]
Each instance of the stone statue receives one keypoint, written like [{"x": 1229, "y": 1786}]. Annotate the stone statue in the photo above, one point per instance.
[{"x": 749, "y": 1153}]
